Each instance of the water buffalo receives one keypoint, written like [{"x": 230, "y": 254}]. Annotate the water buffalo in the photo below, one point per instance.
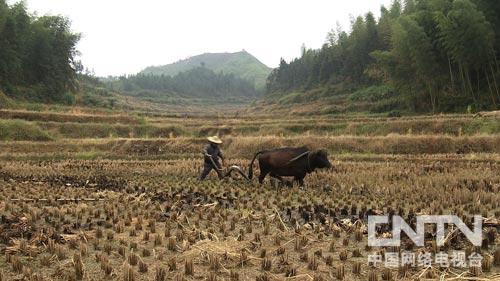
[{"x": 294, "y": 162}]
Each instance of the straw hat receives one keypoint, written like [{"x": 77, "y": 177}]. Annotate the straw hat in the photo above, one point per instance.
[{"x": 214, "y": 139}]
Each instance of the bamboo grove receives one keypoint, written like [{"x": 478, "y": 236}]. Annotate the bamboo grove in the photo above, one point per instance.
[
  {"x": 420, "y": 56},
  {"x": 37, "y": 55}
]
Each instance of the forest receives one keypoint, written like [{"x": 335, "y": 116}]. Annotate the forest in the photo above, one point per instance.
[
  {"x": 420, "y": 56},
  {"x": 426, "y": 56},
  {"x": 38, "y": 64},
  {"x": 199, "y": 82},
  {"x": 37, "y": 56}
]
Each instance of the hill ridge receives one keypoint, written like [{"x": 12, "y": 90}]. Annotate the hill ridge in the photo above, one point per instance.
[{"x": 241, "y": 64}]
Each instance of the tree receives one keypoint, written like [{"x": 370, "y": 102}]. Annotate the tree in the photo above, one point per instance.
[
  {"x": 469, "y": 41},
  {"x": 384, "y": 29},
  {"x": 37, "y": 54},
  {"x": 437, "y": 55},
  {"x": 199, "y": 82},
  {"x": 396, "y": 8},
  {"x": 418, "y": 49},
  {"x": 409, "y": 7}
]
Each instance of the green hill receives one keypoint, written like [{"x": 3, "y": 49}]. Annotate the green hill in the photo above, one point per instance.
[
  {"x": 241, "y": 64},
  {"x": 197, "y": 84}
]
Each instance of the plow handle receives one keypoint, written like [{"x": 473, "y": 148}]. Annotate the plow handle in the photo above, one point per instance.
[
  {"x": 219, "y": 171},
  {"x": 232, "y": 168}
]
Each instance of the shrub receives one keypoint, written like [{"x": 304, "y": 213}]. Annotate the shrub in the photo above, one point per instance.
[
  {"x": 5, "y": 102},
  {"x": 394, "y": 113},
  {"x": 19, "y": 130},
  {"x": 372, "y": 93}
]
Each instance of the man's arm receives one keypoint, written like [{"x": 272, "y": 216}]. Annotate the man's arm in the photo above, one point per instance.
[
  {"x": 221, "y": 156},
  {"x": 205, "y": 152}
]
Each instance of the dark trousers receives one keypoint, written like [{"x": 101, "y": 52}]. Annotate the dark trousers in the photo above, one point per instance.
[{"x": 207, "y": 167}]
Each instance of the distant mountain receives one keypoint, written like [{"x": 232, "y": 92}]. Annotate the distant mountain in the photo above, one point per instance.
[
  {"x": 198, "y": 85},
  {"x": 241, "y": 64}
]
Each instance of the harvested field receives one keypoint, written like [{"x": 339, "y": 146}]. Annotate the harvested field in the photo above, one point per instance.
[
  {"x": 80, "y": 126},
  {"x": 132, "y": 208},
  {"x": 238, "y": 147},
  {"x": 65, "y": 117}
]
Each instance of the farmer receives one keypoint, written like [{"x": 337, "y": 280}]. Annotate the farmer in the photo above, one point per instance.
[{"x": 211, "y": 154}]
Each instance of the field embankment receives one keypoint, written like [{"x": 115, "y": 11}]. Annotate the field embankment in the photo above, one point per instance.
[
  {"x": 245, "y": 147},
  {"x": 82, "y": 126}
]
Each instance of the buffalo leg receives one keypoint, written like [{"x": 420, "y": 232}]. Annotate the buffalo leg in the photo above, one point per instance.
[
  {"x": 280, "y": 179},
  {"x": 300, "y": 180},
  {"x": 263, "y": 174},
  {"x": 277, "y": 177},
  {"x": 284, "y": 182},
  {"x": 261, "y": 178}
]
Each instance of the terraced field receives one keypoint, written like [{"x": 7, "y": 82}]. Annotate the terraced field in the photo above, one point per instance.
[{"x": 115, "y": 197}]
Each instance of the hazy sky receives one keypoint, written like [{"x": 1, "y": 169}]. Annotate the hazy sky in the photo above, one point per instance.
[{"x": 124, "y": 36}]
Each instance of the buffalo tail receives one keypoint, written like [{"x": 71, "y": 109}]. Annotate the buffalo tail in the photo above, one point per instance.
[{"x": 250, "y": 168}]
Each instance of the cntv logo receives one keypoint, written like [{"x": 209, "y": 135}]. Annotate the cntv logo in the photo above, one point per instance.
[{"x": 418, "y": 236}]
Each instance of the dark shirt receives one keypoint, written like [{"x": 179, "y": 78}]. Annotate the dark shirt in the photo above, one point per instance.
[{"x": 214, "y": 151}]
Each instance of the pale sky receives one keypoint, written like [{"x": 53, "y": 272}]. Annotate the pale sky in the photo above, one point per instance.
[{"x": 124, "y": 36}]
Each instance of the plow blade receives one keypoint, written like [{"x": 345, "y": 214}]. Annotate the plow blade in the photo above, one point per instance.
[{"x": 237, "y": 169}]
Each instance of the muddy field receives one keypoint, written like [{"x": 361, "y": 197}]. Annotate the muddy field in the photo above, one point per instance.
[{"x": 152, "y": 220}]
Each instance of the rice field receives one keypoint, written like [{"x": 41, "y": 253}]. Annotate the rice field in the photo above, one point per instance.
[{"x": 85, "y": 206}]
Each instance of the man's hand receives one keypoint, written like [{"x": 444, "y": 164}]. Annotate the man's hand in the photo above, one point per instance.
[{"x": 223, "y": 162}]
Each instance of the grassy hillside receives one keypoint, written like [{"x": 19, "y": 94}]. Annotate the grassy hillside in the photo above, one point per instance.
[
  {"x": 241, "y": 64},
  {"x": 197, "y": 86},
  {"x": 333, "y": 99}
]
